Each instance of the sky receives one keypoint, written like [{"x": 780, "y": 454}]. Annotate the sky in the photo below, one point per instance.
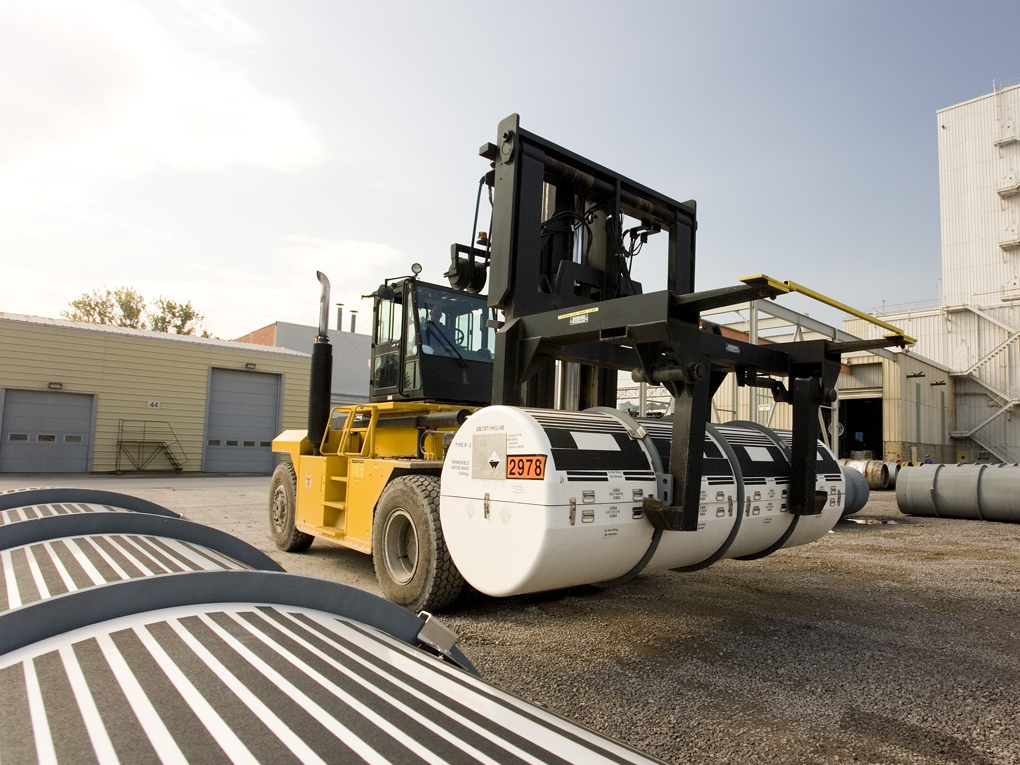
[{"x": 223, "y": 151}]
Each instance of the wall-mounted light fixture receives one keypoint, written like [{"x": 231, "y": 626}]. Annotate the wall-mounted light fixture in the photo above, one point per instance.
[
  {"x": 915, "y": 374},
  {"x": 939, "y": 382},
  {"x": 249, "y": 365},
  {"x": 55, "y": 386}
]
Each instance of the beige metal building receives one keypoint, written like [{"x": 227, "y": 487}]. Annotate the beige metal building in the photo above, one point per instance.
[{"x": 80, "y": 397}]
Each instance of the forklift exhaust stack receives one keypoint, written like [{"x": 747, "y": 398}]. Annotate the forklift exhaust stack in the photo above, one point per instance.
[{"x": 322, "y": 371}]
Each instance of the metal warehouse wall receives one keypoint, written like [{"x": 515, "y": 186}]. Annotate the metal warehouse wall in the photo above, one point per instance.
[
  {"x": 732, "y": 402},
  {"x": 918, "y": 409},
  {"x": 928, "y": 326},
  {"x": 979, "y": 181},
  {"x": 129, "y": 369},
  {"x": 977, "y": 347}
]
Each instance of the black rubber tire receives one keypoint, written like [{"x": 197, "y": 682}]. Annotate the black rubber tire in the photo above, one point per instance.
[
  {"x": 283, "y": 511},
  {"x": 411, "y": 560}
]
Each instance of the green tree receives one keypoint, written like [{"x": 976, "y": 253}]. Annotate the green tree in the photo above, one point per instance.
[
  {"x": 122, "y": 307},
  {"x": 125, "y": 307},
  {"x": 179, "y": 318}
]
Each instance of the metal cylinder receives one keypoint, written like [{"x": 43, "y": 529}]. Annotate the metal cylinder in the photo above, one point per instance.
[
  {"x": 321, "y": 381},
  {"x": 973, "y": 492},
  {"x": 894, "y": 469},
  {"x": 541, "y": 499},
  {"x": 449, "y": 419},
  {"x": 857, "y": 492},
  {"x": 876, "y": 471},
  {"x": 318, "y": 392},
  {"x": 323, "y": 304}
]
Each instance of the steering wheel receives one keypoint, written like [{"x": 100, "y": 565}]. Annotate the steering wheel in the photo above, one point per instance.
[{"x": 458, "y": 336}]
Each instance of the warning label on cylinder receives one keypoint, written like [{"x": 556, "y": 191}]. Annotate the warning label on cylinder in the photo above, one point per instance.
[{"x": 488, "y": 456}]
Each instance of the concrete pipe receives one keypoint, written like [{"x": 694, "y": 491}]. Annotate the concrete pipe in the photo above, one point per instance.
[{"x": 973, "y": 492}]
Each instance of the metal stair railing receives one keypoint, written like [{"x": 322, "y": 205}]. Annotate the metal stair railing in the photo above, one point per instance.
[{"x": 142, "y": 441}]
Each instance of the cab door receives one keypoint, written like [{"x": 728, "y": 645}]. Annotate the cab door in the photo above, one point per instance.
[{"x": 386, "y": 346}]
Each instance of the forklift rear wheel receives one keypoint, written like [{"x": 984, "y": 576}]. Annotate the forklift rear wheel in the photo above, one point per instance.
[
  {"x": 412, "y": 563},
  {"x": 283, "y": 510}
]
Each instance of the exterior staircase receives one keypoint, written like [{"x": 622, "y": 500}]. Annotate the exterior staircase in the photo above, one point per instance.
[{"x": 142, "y": 442}]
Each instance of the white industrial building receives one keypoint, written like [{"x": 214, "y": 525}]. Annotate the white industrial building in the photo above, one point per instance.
[
  {"x": 351, "y": 354},
  {"x": 974, "y": 328}
]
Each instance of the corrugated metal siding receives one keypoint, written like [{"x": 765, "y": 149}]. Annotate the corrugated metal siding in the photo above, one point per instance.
[
  {"x": 734, "y": 403},
  {"x": 128, "y": 371},
  {"x": 974, "y": 216},
  {"x": 864, "y": 375},
  {"x": 917, "y": 411},
  {"x": 928, "y": 327},
  {"x": 981, "y": 341}
]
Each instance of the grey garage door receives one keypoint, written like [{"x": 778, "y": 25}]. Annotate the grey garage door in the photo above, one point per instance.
[
  {"x": 45, "y": 431},
  {"x": 242, "y": 419}
]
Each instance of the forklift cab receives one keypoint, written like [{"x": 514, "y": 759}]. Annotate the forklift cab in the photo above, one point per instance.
[{"x": 430, "y": 343}]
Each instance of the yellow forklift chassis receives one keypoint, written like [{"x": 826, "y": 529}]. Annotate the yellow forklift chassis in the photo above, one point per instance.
[{"x": 363, "y": 449}]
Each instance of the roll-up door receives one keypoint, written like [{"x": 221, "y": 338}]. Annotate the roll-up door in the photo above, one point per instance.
[
  {"x": 242, "y": 419},
  {"x": 46, "y": 431}
]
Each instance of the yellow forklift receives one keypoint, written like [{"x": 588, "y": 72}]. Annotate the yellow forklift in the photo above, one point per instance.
[
  {"x": 367, "y": 477},
  {"x": 550, "y": 473}
]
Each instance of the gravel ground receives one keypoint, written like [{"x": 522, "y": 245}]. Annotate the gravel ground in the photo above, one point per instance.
[{"x": 891, "y": 640}]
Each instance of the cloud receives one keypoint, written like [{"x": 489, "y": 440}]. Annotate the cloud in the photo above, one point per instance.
[
  {"x": 353, "y": 261},
  {"x": 239, "y": 300},
  {"x": 236, "y": 297},
  {"x": 106, "y": 89}
]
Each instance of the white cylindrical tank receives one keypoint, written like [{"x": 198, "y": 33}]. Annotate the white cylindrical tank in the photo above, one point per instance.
[{"x": 537, "y": 500}]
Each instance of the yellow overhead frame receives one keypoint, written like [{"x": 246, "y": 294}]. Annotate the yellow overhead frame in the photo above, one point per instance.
[{"x": 791, "y": 286}]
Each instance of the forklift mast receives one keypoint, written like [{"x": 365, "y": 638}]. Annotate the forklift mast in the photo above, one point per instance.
[{"x": 562, "y": 236}]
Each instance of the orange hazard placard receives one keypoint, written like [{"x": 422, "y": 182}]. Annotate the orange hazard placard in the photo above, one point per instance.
[{"x": 530, "y": 467}]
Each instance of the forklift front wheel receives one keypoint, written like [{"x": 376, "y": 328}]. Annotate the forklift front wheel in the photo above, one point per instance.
[
  {"x": 283, "y": 510},
  {"x": 412, "y": 563}
]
